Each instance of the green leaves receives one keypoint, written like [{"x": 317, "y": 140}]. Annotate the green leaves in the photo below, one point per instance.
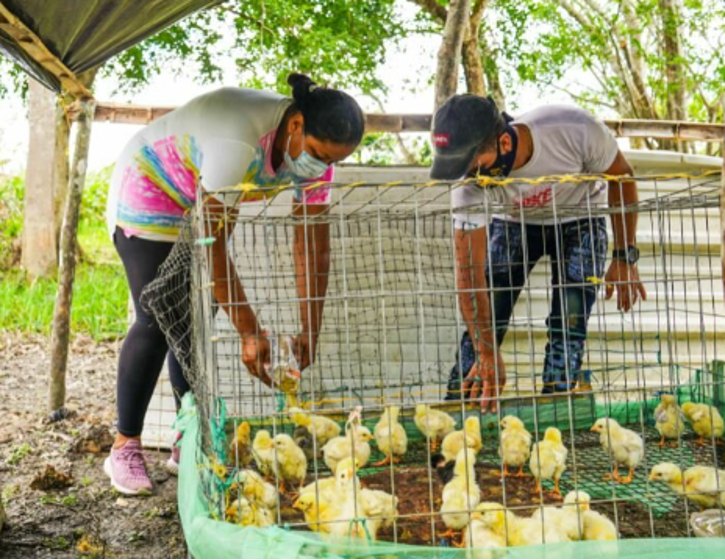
[{"x": 337, "y": 41}]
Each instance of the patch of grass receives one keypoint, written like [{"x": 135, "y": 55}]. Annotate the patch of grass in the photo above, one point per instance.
[
  {"x": 58, "y": 543},
  {"x": 68, "y": 501},
  {"x": 9, "y": 492},
  {"x": 19, "y": 453},
  {"x": 100, "y": 295},
  {"x": 100, "y": 292}
]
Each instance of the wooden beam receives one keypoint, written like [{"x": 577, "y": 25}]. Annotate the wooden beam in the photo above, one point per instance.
[
  {"x": 396, "y": 123},
  {"x": 36, "y": 49}
]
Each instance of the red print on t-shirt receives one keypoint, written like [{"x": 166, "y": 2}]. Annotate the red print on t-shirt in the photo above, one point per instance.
[{"x": 539, "y": 195}]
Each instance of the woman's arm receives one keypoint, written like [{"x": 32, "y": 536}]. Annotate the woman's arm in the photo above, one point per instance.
[
  {"x": 311, "y": 252},
  {"x": 229, "y": 292}
]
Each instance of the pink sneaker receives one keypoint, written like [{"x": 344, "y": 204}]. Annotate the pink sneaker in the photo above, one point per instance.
[
  {"x": 127, "y": 469},
  {"x": 172, "y": 465}
]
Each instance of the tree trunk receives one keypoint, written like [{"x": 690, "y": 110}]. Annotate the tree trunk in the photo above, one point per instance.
[
  {"x": 68, "y": 250},
  {"x": 673, "y": 65},
  {"x": 472, "y": 67},
  {"x": 46, "y": 179},
  {"x": 449, "y": 55},
  {"x": 493, "y": 78}
]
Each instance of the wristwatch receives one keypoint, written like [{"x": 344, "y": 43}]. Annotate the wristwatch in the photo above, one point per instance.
[{"x": 630, "y": 255}]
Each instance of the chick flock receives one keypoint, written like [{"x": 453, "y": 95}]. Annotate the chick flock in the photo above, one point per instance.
[{"x": 340, "y": 505}]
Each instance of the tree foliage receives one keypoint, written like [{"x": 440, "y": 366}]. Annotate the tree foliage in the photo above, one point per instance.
[
  {"x": 651, "y": 59},
  {"x": 338, "y": 41}
]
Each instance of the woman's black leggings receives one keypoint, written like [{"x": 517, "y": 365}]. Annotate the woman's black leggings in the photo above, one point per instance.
[{"x": 144, "y": 348}]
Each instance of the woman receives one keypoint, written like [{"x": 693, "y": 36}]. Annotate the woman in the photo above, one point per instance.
[{"x": 220, "y": 139}]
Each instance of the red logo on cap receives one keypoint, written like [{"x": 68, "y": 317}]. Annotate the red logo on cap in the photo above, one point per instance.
[{"x": 441, "y": 140}]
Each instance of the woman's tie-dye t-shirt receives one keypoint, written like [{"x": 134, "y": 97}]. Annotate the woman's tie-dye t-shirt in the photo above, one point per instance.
[{"x": 217, "y": 140}]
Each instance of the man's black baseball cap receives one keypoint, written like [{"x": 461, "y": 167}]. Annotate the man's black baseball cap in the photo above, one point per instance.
[{"x": 460, "y": 127}]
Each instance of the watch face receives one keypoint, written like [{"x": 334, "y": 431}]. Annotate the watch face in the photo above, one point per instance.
[{"x": 632, "y": 255}]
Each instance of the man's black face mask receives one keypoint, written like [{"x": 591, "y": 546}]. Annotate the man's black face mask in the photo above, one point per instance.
[{"x": 504, "y": 163}]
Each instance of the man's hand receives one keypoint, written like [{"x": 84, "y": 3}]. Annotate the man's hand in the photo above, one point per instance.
[
  {"x": 304, "y": 350},
  {"x": 255, "y": 355},
  {"x": 487, "y": 378},
  {"x": 629, "y": 287}
]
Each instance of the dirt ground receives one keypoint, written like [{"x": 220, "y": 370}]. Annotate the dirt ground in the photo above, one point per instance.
[{"x": 59, "y": 502}]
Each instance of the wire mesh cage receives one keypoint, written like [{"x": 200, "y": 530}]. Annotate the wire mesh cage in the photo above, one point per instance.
[{"x": 599, "y": 449}]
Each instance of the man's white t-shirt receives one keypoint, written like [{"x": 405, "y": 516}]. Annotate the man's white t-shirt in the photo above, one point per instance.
[{"x": 566, "y": 140}]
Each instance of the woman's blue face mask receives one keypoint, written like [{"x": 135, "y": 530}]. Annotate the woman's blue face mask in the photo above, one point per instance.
[{"x": 304, "y": 166}]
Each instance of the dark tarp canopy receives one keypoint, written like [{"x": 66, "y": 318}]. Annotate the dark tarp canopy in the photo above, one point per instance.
[{"x": 82, "y": 34}]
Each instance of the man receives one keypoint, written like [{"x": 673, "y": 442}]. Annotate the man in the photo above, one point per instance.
[{"x": 532, "y": 219}]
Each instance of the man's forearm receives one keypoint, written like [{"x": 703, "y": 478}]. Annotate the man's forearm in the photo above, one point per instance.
[
  {"x": 624, "y": 224},
  {"x": 471, "y": 253}
]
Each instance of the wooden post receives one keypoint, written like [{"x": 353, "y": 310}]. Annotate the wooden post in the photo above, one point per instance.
[{"x": 67, "y": 258}]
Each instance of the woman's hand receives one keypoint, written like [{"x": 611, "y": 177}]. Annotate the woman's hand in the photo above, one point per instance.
[
  {"x": 256, "y": 355},
  {"x": 304, "y": 349},
  {"x": 487, "y": 378}
]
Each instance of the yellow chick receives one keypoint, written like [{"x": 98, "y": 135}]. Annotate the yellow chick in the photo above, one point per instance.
[
  {"x": 469, "y": 436},
  {"x": 548, "y": 459},
  {"x": 329, "y": 489},
  {"x": 480, "y": 535},
  {"x": 317, "y": 511},
  {"x": 460, "y": 495},
  {"x": 706, "y": 421},
  {"x": 668, "y": 420},
  {"x": 335, "y": 516},
  {"x": 515, "y": 446},
  {"x": 594, "y": 526},
  {"x": 547, "y": 525},
  {"x": 704, "y": 486},
  {"x": 519, "y": 531},
  {"x": 240, "y": 449},
  {"x": 263, "y": 451},
  {"x": 498, "y": 521},
  {"x": 567, "y": 521},
  {"x": 624, "y": 446},
  {"x": 325, "y": 487},
  {"x": 290, "y": 461},
  {"x": 356, "y": 437},
  {"x": 379, "y": 507},
  {"x": 433, "y": 424},
  {"x": 390, "y": 437},
  {"x": 321, "y": 429},
  {"x": 254, "y": 488},
  {"x": 245, "y": 513}
]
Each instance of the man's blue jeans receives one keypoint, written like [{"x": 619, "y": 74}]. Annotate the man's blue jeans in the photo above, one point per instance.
[{"x": 577, "y": 251}]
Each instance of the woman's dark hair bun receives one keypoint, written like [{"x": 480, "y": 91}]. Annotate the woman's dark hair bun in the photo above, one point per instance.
[
  {"x": 329, "y": 114},
  {"x": 301, "y": 84}
]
